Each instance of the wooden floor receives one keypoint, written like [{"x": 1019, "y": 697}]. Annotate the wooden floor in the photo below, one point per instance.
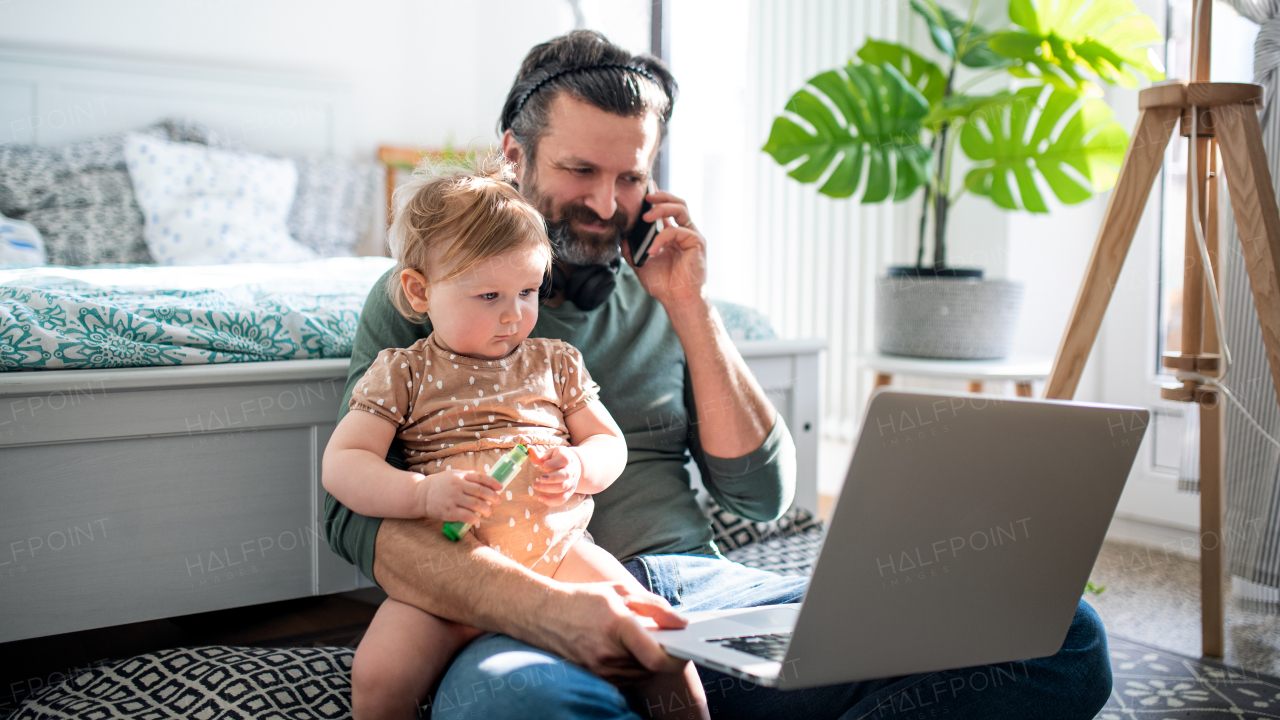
[
  {"x": 826, "y": 505},
  {"x": 335, "y": 620}
]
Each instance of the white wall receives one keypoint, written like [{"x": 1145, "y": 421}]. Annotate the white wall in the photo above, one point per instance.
[
  {"x": 420, "y": 72},
  {"x": 428, "y": 72}
]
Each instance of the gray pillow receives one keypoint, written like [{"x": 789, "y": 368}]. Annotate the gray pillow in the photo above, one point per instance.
[
  {"x": 29, "y": 174},
  {"x": 92, "y": 234},
  {"x": 80, "y": 197},
  {"x": 334, "y": 204}
]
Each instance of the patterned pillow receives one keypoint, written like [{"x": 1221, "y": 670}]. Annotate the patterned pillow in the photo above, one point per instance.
[
  {"x": 207, "y": 207},
  {"x": 204, "y": 682},
  {"x": 91, "y": 218},
  {"x": 732, "y": 532},
  {"x": 79, "y": 196},
  {"x": 334, "y": 204}
]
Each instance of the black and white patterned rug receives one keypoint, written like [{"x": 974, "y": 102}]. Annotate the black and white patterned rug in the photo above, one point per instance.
[
  {"x": 302, "y": 683},
  {"x": 215, "y": 682},
  {"x": 1161, "y": 685}
]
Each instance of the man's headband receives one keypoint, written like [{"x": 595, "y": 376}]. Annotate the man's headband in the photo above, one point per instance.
[{"x": 580, "y": 68}]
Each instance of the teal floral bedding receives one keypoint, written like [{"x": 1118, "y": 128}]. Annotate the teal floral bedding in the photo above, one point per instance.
[{"x": 54, "y": 318}]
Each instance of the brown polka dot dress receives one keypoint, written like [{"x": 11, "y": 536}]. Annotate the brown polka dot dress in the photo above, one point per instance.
[{"x": 455, "y": 411}]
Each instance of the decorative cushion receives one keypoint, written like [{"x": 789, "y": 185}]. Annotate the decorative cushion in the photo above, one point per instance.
[
  {"x": 204, "y": 682},
  {"x": 79, "y": 196},
  {"x": 732, "y": 532},
  {"x": 90, "y": 219},
  {"x": 744, "y": 323},
  {"x": 207, "y": 207},
  {"x": 28, "y": 173},
  {"x": 20, "y": 244},
  {"x": 334, "y": 204}
]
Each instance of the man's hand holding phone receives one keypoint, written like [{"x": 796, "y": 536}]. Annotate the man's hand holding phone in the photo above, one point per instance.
[
  {"x": 672, "y": 266},
  {"x": 640, "y": 239}
]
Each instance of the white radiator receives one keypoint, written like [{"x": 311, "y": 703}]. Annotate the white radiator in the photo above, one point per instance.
[{"x": 816, "y": 259}]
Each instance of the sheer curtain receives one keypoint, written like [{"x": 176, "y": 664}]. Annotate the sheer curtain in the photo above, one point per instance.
[
  {"x": 1253, "y": 464},
  {"x": 806, "y": 261}
]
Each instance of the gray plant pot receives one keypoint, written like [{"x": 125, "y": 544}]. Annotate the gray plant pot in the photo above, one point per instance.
[{"x": 946, "y": 318}]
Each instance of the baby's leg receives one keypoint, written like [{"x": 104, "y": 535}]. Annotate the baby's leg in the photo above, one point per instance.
[
  {"x": 586, "y": 562},
  {"x": 403, "y": 654},
  {"x": 665, "y": 695}
]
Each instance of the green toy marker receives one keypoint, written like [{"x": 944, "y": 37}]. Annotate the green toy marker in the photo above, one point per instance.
[{"x": 503, "y": 472}]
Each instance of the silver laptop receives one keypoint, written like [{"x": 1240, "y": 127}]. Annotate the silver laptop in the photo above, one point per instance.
[{"x": 964, "y": 535}]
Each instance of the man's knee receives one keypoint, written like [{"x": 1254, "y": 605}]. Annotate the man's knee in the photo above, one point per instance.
[
  {"x": 1082, "y": 669},
  {"x": 1095, "y": 659},
  {"x": 497, "y": 678}
]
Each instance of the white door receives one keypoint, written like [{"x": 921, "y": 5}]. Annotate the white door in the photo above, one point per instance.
[{"x": 1152, "y": 508}]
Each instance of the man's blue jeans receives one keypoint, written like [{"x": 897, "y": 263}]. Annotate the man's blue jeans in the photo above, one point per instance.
[{"x": 496, "y": 677}]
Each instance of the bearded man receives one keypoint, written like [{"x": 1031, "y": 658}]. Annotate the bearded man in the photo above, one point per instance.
[{"x": 583, "y": 123}]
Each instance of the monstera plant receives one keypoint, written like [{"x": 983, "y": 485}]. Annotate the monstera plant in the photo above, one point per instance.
[{"x": 889, "y": 123}]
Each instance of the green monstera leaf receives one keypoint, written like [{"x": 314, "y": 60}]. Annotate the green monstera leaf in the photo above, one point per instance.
[
  {"x": 919, "y": 73},
  {"x": 877, "y": 127},
  {"x": 948, "y": 31},
  {"x": 962, "y": 108},
  {"x": 1067, "y": 43},
  {"x": 1071, "y": 143}
]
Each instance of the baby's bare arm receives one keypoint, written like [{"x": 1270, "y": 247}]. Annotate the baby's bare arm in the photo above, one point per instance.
[
  {"x": 355, "y": 469},
  {"x": 599, "y": 443}
]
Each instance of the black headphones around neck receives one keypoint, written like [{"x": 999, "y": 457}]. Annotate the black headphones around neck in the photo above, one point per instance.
[{"x": 588, "y": 287}]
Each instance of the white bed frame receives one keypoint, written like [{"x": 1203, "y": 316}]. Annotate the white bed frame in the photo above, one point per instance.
[{"x": 144, "y": 493}]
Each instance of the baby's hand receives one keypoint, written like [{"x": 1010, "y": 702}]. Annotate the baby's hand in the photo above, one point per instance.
[
  {"x": 562, "y": 468},
  {"x": 458, "y": 495}
]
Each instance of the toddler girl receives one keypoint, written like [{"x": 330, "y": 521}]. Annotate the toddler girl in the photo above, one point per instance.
[{"x": 471, "y": 254}]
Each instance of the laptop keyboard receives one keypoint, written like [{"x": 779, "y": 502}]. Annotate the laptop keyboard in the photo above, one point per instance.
[{"x": 772, "y": 646}]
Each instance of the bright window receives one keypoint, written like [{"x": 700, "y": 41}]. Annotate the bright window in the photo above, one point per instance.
[{"x": 1232, "y": 61}]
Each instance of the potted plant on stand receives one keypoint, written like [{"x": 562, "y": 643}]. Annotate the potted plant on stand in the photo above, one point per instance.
[{"x": 888, "y": 124}]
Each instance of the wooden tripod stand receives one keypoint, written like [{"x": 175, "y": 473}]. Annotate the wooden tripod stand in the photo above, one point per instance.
[{"x": 1226, "y": 121}]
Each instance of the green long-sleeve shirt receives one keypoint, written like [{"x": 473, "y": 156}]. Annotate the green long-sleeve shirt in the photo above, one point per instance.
[{"x": 632, "y": 352}]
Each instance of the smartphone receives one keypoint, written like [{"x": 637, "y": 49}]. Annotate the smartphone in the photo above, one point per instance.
[{"x": 642, "y": 235}]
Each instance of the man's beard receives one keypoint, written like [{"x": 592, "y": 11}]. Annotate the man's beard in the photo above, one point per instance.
[{"x": 576, "y": 246}]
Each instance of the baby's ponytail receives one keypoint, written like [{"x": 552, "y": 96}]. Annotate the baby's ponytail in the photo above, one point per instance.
[{"x": 497, "y": 168}]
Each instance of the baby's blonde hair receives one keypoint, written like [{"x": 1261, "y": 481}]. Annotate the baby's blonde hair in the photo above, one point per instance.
[{"x": 458, "y": 217}]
